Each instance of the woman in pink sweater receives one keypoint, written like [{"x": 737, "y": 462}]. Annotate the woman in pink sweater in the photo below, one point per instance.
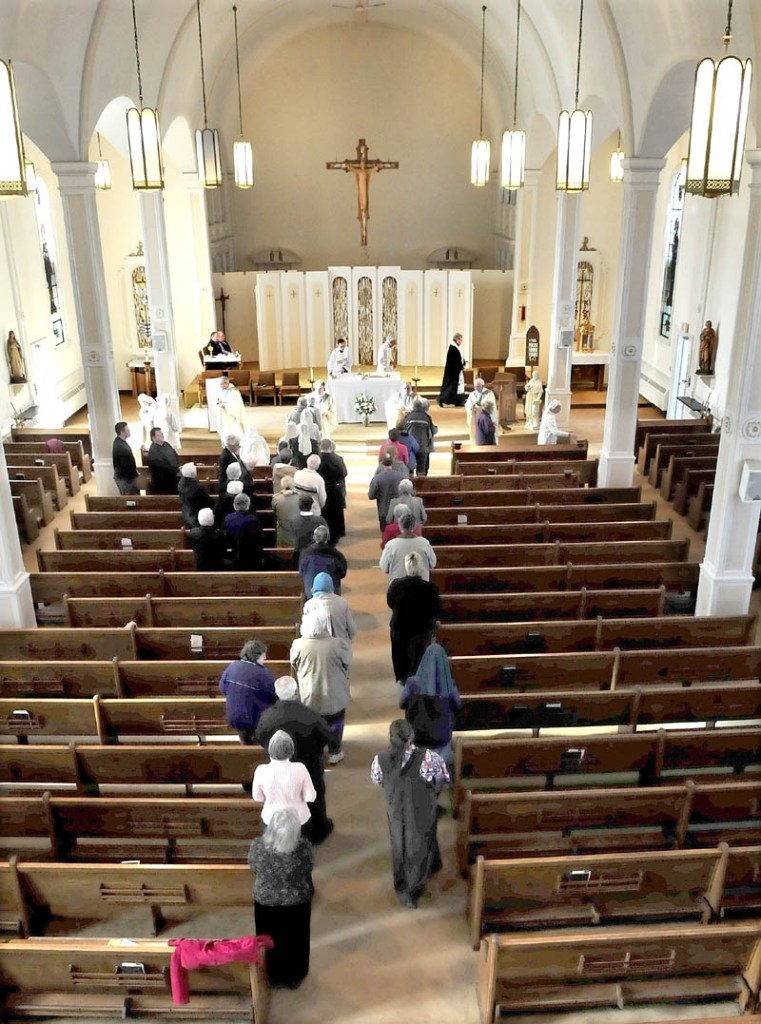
[{"x": 283, "y": 783}]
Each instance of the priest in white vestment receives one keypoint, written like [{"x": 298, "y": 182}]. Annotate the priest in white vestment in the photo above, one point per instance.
[
  {"x": 401, "y": 402},
  {"x": 339, "y": 361},
  {"x": 232, "y": 412},
  {"x": 322, "y": 403},
  {"x": 475, "y": 400},
  {"x": 386, "y": 356}
]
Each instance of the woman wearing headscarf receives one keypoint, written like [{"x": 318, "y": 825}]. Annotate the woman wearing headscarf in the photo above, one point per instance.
[
  {"x": 321, "y": 664},
  {"x": 549, "y": 431},
  {"x": 254, "y": 450},
  {"x": 302, "y": 444},
  {"x": 430, "y": 699},
  {"x": 339, "y": 615},
  {"x": 282, "y": 861},
  {"x": 310, "y": 417},
  {"x": 415, "y": 607},
  {"x": 411, "y": 777}
]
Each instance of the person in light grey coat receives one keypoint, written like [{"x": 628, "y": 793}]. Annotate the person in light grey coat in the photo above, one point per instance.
[
  {"x": 339, "y": 615},
  {"x": 321, "y": 664},
  {"x": 384, "y": 486},
  {"x": 407, "y": 498},
  {"x": 394, "y": 553}
]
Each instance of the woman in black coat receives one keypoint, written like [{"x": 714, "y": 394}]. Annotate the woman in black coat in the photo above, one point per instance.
[
  {"x": 415, "y": 607},
  {"x": 332, "y": 469}
]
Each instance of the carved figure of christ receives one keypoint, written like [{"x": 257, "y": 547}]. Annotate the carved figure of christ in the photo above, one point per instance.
[{"x": 362, "y": 167}]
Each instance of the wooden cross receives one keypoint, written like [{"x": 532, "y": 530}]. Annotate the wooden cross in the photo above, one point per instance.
[
  {"x": 362, "y": 167},
  {"x": 223, "y": 299}
]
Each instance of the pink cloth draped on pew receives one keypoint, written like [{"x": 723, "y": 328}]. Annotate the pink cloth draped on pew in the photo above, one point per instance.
[{"x": 190, "y": 954}]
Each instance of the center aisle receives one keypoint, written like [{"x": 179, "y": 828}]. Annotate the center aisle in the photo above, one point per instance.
[{"x": 372, "y": 960}]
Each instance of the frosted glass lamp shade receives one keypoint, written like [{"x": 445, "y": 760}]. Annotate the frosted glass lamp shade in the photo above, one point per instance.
[
  {"x": 144, "y": 137},
  {"x": 103, "y": 175},
  {"x": 31, "y": 176},
  {"x": 717, "y": 126},
  {"x": 574, "y": 150},
  {"x": 243, "y": 164},
  {"x": 208, "y": 158},
  {"x": 12, "y": 171},
  {"x": 617, "y": 165},
  {"x": 479, "y": 162},
  {"x": 513, "y": 159}
]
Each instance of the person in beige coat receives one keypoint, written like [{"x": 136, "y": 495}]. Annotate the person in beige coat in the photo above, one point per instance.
[{"x": 320, "y": 664}]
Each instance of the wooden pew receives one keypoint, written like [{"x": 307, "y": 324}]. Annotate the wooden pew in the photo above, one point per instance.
[
  {"x": 185, "y": 611},
  {"x": 132, "y": 502},
  {"x": 607, "y": 820},
  {"x": 141, "y": 540},
  {"x": 649, "y": 757},
  {"x": 688, "y": 429},
  {"x": 558, "y": 496},
  {"x": 516, "y": 449},
  {"x": 656, "y": 705},
  {"x": 585, "y": 470},
  {"x": 492, "y": 482},
  {"x": 104, "y": 979},
  {"x": 535, "y": 893},
  {"x": 144, "y": 519},
  {"x": 547, "y": 532},
  {"x": 79, "y": 458},
  {"x": 40, "y": 501},
  {"x": 62, "y": 433},
  {"x": 672, "y": 575},
  {"x": 34, "y": 894},
  {"x": 116, "y": 561},
  {"x": 470, "y": 639},
  {"x": 68, "y": 473},
  {"x": 647, "y": 426},
  {"x": 50, "y": 644},
  {"x": 606, "y": 670},
  {"x": 49, "y": 587},
  {"x": 48, "y": 476},
  {"x": 619, "y": 967},
  {"x": 688, "y": 485},
  {"x": 87, "y": 767},
  {"x": 699, "y": 506},
  {"x": 498, "y": 516},
  {"x": 26, "y": 521},
  {"x": 537, "y": 605},
  {"x": 700, "y": 444},
  {"x": 484, "y": 556},
  {"x": 672, "y": 475},
  {"x": 81, "y": 679}
]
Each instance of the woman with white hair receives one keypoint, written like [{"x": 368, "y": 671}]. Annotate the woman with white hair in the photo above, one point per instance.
[
  {"x": 307, "y": 481},
  {"x": 549, "y": 431},
  {"x": 321, "y": 664},
  {"x": 282, "y": 860},
  {"x": 486, "y": 428},
  {"x": 282, "y": 782},
  {"x": 415, "y": 608},
  {"x": 225, "y": 503},
  {"x": 410, "y": 500},
  {"x": 206, "y": 543},
  {"x": 193, "y": 494}
]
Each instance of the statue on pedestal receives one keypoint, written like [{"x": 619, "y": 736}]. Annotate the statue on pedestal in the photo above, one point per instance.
[
  {"x": 532, "y": 401},
  {"x": 15, "y": 359},
  {"x": 707, "y": 352}
]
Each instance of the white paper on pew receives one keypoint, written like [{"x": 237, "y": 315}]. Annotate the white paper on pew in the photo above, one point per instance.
[
  {"x": 122, "y": 942},
  {"x": 196, "y": 642},
  {"x": 462, "y": 520},
  {"x": 126, "y": 543},
  {"x": 131, "y": 504}
]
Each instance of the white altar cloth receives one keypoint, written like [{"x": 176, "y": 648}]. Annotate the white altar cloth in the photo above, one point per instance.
[{"x": 345, "y": 389}]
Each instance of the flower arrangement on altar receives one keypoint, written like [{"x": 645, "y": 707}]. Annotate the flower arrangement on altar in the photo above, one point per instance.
[{"x": 364, "y": 404}]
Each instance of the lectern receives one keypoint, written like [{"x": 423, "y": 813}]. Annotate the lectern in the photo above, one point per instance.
[{"x": 505, "y": 392}]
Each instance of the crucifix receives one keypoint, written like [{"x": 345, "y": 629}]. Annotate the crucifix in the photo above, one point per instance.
[
  {"x": 223, "y": 299},
  {"x": 362, "y": 167}
]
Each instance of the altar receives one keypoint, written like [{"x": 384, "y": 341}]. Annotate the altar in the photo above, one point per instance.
[{"x": 345, "y": 389}]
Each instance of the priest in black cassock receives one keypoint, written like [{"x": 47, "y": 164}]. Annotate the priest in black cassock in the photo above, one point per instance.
[{"x": 453, "y": 383}]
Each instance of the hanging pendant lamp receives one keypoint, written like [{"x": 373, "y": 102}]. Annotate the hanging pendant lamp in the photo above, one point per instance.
[
  {"x": 514, "y": 142},
  {"x": 144, "y": 136},
  {"x": 718, "y": 123},
  {"x": 481, "y": 148},
  {"x": 243, "y": 156},
  {"x": 208, "y": 157},
  {"x": 617, "y": 162},
  {"x": 574, "y": 137},
  {"x": 12, "y": 171},
  {"x": 103, "y": 172}
]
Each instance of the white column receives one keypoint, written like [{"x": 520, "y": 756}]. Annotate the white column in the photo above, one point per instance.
[
  {"x": 523, "y": 266},
  {"x": 207, "y": 314},
  {"x": 726, "y": 576},
  {"x": 641, "y": 180},
  {"x": 160, "y": 298},
  {"x": 563, "y": 302},
  {"x": 76, "y": 185},
  {"x": 16, "y": 605}
]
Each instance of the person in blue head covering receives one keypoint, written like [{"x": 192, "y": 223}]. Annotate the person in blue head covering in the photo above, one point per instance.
[
  {"x": 430, "y": 699},
  {"x": 324, "y": 596}
]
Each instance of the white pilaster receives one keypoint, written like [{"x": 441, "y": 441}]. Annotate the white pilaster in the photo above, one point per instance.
[
  {"x": 160, "y": 298},
  {"x": 523, "y": 266},
  {"x": 207, "y": 314},
  {"x": 563, "y": 302},
  {"x": 16, "y": 605},
  {"x": 76, "y": 184},
  {"x": 726, "y": 576},
  {"x": 641, "y": 180}
]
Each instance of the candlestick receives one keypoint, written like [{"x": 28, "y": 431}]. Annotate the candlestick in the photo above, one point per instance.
[{"x": 416, "y": 372}]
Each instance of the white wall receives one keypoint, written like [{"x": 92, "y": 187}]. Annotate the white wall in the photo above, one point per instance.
[
  {"x": 311, "y": 100},
  {"x": 492, "y": 314}
]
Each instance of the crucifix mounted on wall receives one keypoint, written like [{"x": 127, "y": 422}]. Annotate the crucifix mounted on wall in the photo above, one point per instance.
[
  {"x": 223, "y": 299},
  {"x": 362, "y": 167}
]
